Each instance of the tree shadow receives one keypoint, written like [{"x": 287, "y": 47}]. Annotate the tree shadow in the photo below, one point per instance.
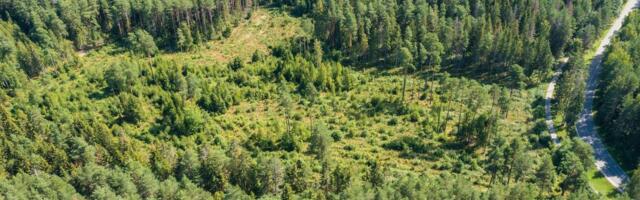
[
  {"x": 538, "y": 106},
  {"x": 485, "y": 77},
  {"x": 99, "y": 95},
  {"x": 597, "y": 175}
]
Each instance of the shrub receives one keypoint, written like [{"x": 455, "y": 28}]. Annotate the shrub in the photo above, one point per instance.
[
  {"x": 121, "y": 77},
  {"x": 236, "y": 64},
  {"x": 131, "y": 108},
  {"x": 337, "y": 136},
  {"x": 218, "y": 98},
  {"x": 414, "y": 144}
]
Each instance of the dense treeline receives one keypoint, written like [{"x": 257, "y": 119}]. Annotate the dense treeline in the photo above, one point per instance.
[
  {"x": 482, "y": 36},
  {"x": 18, "y": 51},
  {"x": 88, "y": 23},
  {"x": 570, "y": 89},
  {"x": 36, "y": 34},
  {"x": 618, "y": 104}
]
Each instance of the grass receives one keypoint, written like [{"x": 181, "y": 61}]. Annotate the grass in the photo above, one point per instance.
[
  {"x": 601, "y": 184},
  {"x": 263, "y": 29}
]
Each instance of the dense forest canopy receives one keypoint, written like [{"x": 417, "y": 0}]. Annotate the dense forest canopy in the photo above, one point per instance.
[
  {"x": 407, "y": 99},
  {"x": 485, "y": 37},
  {"x": 618, "y": 103},
  {"x": 492, "y": 37},
  {"x": 89, "y": 23}
]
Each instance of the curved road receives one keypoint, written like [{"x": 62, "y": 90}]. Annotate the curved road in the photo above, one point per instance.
[{"x": 586, "y": 127}]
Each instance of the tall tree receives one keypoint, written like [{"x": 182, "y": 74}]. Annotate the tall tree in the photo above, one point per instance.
[
  {"x": 376, "y": 174},
  {"x": 142, "y": 42},
  {"x": 320, "y": 142},
  {"x": 546, "y": 175},
  {"x": 405, "y": 60}
]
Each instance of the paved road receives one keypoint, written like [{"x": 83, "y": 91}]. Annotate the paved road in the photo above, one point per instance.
[{"x": 586, "y": 127}]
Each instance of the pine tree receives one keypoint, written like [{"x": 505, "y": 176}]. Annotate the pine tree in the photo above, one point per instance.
[
  {"x": 30, "y": 61},
  {"x": 184, "y": 38},
  {"x": 517, "y": 77},
  {"x": 496, "y": 161},
  {"x": 286, "y": 102},
  {"x": 433, "y": 52},
  {"x": 375, "y": 174},
  {"x": 318, "y": 54},
  {"x": 297, "y": 175},
  {"x": 405, "y": 60},
  {"x": 341, "y": 179},
  {"x": 271, "y": 176},
  {"x": 546, "y": 175},
  {"x": 348, "y": 29},
  {"x": 320, "y": 142},
  {"x": 142, "y": 42}
]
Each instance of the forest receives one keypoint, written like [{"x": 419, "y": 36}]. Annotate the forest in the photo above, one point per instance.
[
  {"x": 304, "y": 99},
  {"x": 618, "y": 102}
]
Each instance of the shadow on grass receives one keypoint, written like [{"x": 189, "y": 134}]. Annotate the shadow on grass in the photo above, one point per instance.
[
  {"x": 486, "y": 75},
  {"x": 597, "y": 175},
  {"x": 602, "y": 185},
  {"x": 99, "y": 95}
]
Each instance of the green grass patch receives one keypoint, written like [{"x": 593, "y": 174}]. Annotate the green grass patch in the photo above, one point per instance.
[{"x": 599, "y": 183}]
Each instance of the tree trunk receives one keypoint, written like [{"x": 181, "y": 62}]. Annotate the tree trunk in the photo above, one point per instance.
[{"x": 404, "y": 86}]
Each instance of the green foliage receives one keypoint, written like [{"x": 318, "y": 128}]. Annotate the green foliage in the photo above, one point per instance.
[
  {"x": 405, "y": 59},
  {"x": 546, "y": 175},
  {"x": 131, "y": 108},
  {"x": 241, "y": 169},
  {"x": 375, "y": 174},
  {"x": 142, "y": 42},
  {"x": 570, "y": 87},
  {"x": 89, "y": 23},
  {"x": 98, "y": 181},
  {"x": 6, "y": 48},
  {"x": 290, "y": 142},
  {"x": 214, "y": 168},
  {"x": 180, "y": 117},
  {"x": 31, "y": 61},
  {"x": 121, "y": 76},
  {"x": 516, "y": 76},
  {"x": 320, "y": 142},
  {"x": 328, "y": 77},
  {"x": 573, "y": 159},
  {"x": 80, "y": 151},
  {"x": 298, "y": 176},
  {"x": 45, "y": 186},
  {"x": 236, "y": 64},
  {"x": 478, "y": 130},
  {"x": 10, "y": 78},
  {"x": 617, "y": 103},
  {"x": 169, "y": 75},
  {"x": 218, "y": 98},
  {"x": 317, "y": 118},
  {"x": 413, "y": 144},
  {"x": 185, "y": 39},
  {"x": 506, "y": 162},
  {"x": 475, "y": 35},
  {"x": 634, "y": 185},
  {"x": 271, "y": 174}
]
